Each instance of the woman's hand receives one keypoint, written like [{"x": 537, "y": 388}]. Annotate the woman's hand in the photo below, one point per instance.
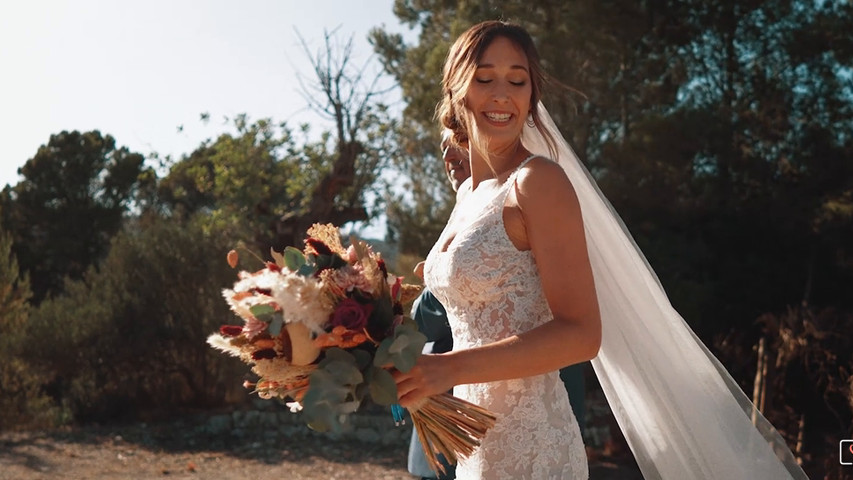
[{"x": 431, "y": 375}]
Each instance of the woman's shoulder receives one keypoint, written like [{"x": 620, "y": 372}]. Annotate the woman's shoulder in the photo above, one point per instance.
[
  {"x": 542, "y": 183},
  {"x": 542, "y": 172}
]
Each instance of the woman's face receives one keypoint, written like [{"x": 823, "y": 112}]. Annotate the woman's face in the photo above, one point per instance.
[{"x": 498, "y": 96}]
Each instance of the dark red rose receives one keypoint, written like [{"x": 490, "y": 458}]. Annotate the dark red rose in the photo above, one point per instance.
[
  {"x": 230, "y": 330},
  {"x": 319, "y": 247},
  {"x": 265, "y": 354},
  {"x": 273, "y": 267},
  {"x": 262, "y": 291},
  {"x": 351, "y": 314}
]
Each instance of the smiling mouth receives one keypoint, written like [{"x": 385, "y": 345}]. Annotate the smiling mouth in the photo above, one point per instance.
[{"x": 498, "y": 117}]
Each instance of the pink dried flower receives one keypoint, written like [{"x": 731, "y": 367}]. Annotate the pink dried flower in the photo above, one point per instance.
[
  {"x": 254, "y": 327},
  {"x": 351, "y": 277},
  {"x": 351, "y": 256}
]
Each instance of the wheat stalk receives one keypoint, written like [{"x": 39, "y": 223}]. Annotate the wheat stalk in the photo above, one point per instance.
[{"x": 450, "y": 426}]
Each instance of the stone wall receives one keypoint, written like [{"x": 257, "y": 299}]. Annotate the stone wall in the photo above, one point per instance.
[{"x": 375, "y": 425}]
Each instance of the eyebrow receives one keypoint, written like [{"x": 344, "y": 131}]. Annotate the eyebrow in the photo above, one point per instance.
[{"x": 514, "y": 67}]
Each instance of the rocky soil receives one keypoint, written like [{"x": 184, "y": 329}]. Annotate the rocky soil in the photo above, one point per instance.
[{"x": 241, "y": 445}]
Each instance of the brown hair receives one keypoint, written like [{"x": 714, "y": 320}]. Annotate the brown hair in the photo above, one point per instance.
[{"x": 462, "y": 60}]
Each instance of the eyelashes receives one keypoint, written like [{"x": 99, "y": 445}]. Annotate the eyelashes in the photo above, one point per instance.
[{"x": 489, "y": 80}]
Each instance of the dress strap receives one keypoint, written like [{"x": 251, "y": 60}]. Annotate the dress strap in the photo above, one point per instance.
[{"x": 511, "y": 180}]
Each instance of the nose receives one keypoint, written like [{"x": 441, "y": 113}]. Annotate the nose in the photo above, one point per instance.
[
  {"x": 499, "y": 92},
  {"x": 500, "y": 95}
]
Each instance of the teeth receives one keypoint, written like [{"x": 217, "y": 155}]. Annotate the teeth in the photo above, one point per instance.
[{"x": 498, "y": 117}]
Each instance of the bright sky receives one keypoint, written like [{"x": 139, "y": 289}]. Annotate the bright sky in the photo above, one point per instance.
[{"x": 138, "y": 70}]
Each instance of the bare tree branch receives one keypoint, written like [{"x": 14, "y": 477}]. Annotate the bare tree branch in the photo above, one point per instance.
[{"x": 342, "y": 93}]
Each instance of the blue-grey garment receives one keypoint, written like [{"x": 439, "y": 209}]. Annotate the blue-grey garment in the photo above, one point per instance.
[
  {"x": 431, "y": 318},
  {"x": 432, "y": 322},
  {"x": 573, "y": 378}
]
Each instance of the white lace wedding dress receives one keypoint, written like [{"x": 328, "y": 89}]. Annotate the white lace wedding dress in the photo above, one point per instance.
[{"x": 491, "y": 291}]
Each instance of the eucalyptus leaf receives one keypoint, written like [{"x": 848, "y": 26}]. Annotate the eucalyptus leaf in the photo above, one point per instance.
[
  {"x": 323, "y": 401},
  {"x": 405, "y": 360},
  {"x": 344, "y": 373},
  {"x": 321, "y": 416},
  {"x": 409, "y": 322},
  {"x": 346, "y": 408},
  {"x": 275, "y": 325},
  {"x": 383, "y": 357},
  {"x": 261, "y": 310},
  {"x": 409, "y": 349},
  {"x": 402, "y": 350},
  {"x": 293, "y": 259},
  {"x": 362, "y": 358},
  {"x": 341, "y": 368},
  {"x": 306, "y": 270},
  {"x": 383, "y": 389},
  {"x": 337, "y": 354},
  {"x": 399, "y": 344},
  {"x": 361, "y": 390}
]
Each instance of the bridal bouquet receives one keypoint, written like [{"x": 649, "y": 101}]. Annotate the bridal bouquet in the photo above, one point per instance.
[{"x": 320, "y": 327}]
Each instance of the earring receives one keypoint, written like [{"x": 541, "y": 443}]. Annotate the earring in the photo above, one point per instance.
[{"x": 530, "y": 121}]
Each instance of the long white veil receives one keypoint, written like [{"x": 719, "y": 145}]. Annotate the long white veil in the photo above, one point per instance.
[{"x": 683, "y": 415}]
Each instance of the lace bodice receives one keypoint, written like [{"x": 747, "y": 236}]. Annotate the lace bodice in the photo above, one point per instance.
[{"x": 491, "y": 290}]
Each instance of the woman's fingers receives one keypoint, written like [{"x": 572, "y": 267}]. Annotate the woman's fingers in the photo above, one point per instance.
[
  {"x": 423, "y": 380},
  {"x": 409, "y": 386},
  {"x": 412, "y": 398}
]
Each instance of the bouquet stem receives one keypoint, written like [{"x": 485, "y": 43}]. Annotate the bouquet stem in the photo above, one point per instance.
[{"x": 450, "y": 426}]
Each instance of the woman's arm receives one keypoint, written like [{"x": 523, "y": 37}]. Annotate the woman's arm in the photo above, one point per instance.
[{"x": 553, "y": 228}]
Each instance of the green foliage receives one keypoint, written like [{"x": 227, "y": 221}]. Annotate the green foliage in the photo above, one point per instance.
[
  {"x": 402, "y": 349},
  {"x": 420, "y": 201},
  {"x": 721, "y": 131},
  {"x": 333, "y": 390},
  {"x": 127, "y": 268},
  {"x": 76, "y": 188},
  {"x": 342, "y": 379},
  {"x": 262, "y": 185},
  {"x": 127, "y": 340},
  {"x": 586, "y": 46},
  {"x": 22, "y": 402},
  {"x": 239, "y": 184},
  {"x": 14, "y": 296},
  {"x": 252, "y": 184},
  {"x": 293, "y": 258},
  {"x": 805, "y": 385},
  {"x": 383, "y": 388}
]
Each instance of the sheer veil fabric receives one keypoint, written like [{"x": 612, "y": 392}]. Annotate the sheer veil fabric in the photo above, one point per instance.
[{"x": 681, "y": 412}]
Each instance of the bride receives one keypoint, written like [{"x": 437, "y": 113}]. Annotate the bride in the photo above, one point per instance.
[{"x": 537, "y": 272}]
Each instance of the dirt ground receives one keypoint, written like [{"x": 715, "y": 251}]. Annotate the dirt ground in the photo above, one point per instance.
[{"x": 171, "y": 451}]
